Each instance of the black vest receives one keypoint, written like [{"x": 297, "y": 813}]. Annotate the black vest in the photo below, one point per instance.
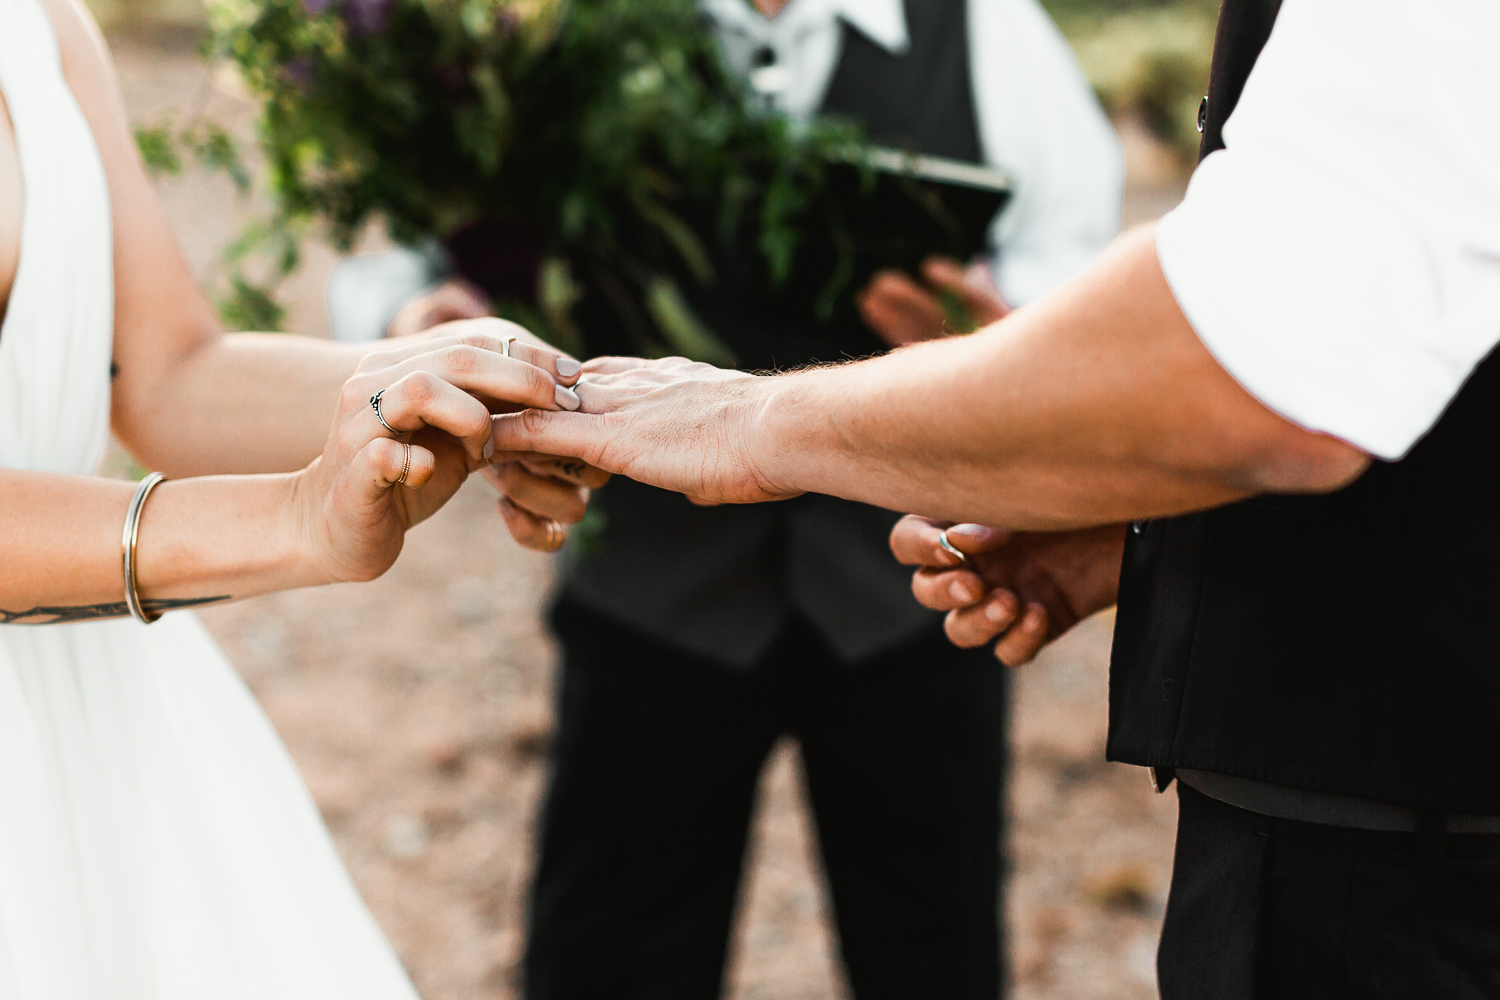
[
  {"x": 1347, "y": 643},
  {"x": 722, "y": 582}
]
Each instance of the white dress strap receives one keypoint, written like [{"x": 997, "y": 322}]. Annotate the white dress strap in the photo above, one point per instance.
[{"x": 58, "y": 335}]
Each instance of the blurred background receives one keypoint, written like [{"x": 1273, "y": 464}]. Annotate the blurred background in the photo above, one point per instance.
[{"x": 418, "y": 707}]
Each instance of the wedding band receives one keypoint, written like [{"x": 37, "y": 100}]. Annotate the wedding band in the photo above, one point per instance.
[
  {"x": 505, "y": 343},
  {"x": 375, "y": 404},
  {"x": 556, "y": 535},
  {"x": 947, "y": 546},
  {"x": 405, "y": 467}
]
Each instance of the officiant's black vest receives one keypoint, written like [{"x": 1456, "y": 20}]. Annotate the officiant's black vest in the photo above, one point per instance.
[
  {"x": 1347, "y": 643},
  {"x": 723, "y": 582}
]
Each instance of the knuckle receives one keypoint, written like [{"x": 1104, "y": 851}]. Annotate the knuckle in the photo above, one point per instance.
[
  {"x": 463, "y": 359},
  {"x": 355, "y": 392},
  {"x": 418, "y": 387}
]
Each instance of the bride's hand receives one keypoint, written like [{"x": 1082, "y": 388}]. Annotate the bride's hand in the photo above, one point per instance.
[
  {"x": 353, "y": 505},
  {"x": 540, "y": 494}
]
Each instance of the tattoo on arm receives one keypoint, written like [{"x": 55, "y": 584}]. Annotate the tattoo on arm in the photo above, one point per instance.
[{"x": 98, "y": 612}]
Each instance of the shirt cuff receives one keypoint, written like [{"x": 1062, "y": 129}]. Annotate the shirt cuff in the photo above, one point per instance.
[{"x": 1321, "y": 302}]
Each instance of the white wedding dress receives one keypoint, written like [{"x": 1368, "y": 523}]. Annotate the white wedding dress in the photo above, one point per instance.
[{"x": 156, "y": 841}]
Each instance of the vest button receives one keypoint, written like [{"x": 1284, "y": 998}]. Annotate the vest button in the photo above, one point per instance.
[
  {"x": 1203, "y": 113},
  {"x": 1138, "y": 527}
]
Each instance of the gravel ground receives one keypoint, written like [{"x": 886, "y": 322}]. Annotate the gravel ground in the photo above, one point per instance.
[{"x": 418, "y": 708}]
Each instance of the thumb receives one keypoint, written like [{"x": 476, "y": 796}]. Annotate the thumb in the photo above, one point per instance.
[{"x": 977, "y": 539}]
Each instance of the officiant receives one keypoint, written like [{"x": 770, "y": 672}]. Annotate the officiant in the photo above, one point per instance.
[{"x": 694, "y": 638}]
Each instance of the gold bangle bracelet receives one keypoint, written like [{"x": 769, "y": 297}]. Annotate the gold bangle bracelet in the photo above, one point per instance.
[{"x": 127, "y": 546}]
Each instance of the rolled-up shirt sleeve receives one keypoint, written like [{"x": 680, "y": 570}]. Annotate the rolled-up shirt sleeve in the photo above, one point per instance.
[{"x": 1341, "y": 256}]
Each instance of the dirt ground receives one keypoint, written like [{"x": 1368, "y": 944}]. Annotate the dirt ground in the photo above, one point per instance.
[{"x": 419, "y": 710}]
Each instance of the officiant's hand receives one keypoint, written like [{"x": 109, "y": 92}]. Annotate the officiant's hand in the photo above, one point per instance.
[
  {"x": 354, "y": 504},
  {"x": 540, "y": 495},
  {"x": 1020, "y": 590},
  {"x": 902, "y": 310}
]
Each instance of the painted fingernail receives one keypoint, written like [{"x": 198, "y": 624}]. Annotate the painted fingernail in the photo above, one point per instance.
[
  {"x": 963, "y": 591},
  {"x": 567, "y": 367},
  {"x": 977, "y": 532},
  {"x": 567, "y": 398}
]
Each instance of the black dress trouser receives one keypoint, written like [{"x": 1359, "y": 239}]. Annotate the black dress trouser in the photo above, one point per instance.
[
  {"x": 1270, "y": 909},
  {"x": 655, "y": 768}
]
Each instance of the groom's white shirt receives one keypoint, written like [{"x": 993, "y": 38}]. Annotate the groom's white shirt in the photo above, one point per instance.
[
  {"x": 1037, "y": 116},
  {"x": 1341, "y": 256}
]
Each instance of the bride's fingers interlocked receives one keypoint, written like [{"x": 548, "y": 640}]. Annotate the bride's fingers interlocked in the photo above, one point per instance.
[
  {"x": 486, "y": 334},
  {"x": 422, "y": 399}
]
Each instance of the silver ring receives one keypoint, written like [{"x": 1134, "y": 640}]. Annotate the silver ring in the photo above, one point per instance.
[
  {"x": 505, "y": 343},
  {"x": 947, "y": 546},
  {"x": 405, "y": 467},
  {"x": 375, "y": 405}
]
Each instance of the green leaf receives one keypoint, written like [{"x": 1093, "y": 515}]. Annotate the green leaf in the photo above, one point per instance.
[
  {"x": 158, "y": 150},
  {"x": 249, "y": 306},
  {"x": 683, "y": 329},
  {"x": 216, "y": 150}
]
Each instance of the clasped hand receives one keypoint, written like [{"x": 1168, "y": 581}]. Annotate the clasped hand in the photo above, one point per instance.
[
  {"x": 1017, "y": 589},
  {"x": 355, "y": 503}
]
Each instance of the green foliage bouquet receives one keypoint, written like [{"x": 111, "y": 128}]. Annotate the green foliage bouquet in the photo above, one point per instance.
[{"x": 605, "y": 137}]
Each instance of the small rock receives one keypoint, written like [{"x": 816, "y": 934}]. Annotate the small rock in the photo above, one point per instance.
[
  {"x": 472, "y": 600},
  {"x": 447, "y": 755},
  {"x": 531, "y": 734},
  {"x": 406, "y": 837},
  {"x": 1125, "y": 887}
]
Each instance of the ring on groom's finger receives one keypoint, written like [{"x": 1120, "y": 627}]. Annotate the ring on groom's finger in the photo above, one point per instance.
[
  {"x": 375, "y": 405},
  {"x": 405, "y": 466},
  {"x": 505, "y": 343},
  {"x": 556, "y": 535},
  {"x": 948, "y": 546}
]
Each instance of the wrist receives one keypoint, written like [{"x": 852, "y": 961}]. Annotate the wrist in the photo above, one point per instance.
[
  {"x": 781, "y": 445},
  {"x": 222, "y": 537},
  {"x": 304, "y": 552}
]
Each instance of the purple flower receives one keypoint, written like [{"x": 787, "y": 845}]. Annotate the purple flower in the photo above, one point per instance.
[
  {"x": 367, "y": 17},
  {"x": 300, "y": 72},
  {"x": 315, "y": 8}
]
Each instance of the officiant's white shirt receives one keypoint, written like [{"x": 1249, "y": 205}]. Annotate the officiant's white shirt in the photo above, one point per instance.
[
  {"x": 1341, "y": 256},
  {"x": 1037, "y": 116}
]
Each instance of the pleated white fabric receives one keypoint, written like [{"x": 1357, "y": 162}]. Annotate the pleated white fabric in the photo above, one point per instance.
[{"x": 156, "y": 841}]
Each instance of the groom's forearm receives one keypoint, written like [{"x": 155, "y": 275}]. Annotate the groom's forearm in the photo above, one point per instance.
[{"x": 1097, "y": 404}]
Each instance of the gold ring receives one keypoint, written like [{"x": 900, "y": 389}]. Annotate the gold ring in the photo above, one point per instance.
[
  {"x": 405, "y": 468},
  {"x": 556, "y": 536}
]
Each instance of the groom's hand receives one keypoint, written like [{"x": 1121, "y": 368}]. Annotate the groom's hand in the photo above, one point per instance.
[
  {"x": 1019, "y": 590},
  {"x": 672, "y": 423}
]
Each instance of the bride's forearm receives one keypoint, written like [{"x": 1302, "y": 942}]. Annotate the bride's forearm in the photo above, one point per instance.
[
  {"x": 201, "y": 541},
  {"x": 243, "y": 403}
]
